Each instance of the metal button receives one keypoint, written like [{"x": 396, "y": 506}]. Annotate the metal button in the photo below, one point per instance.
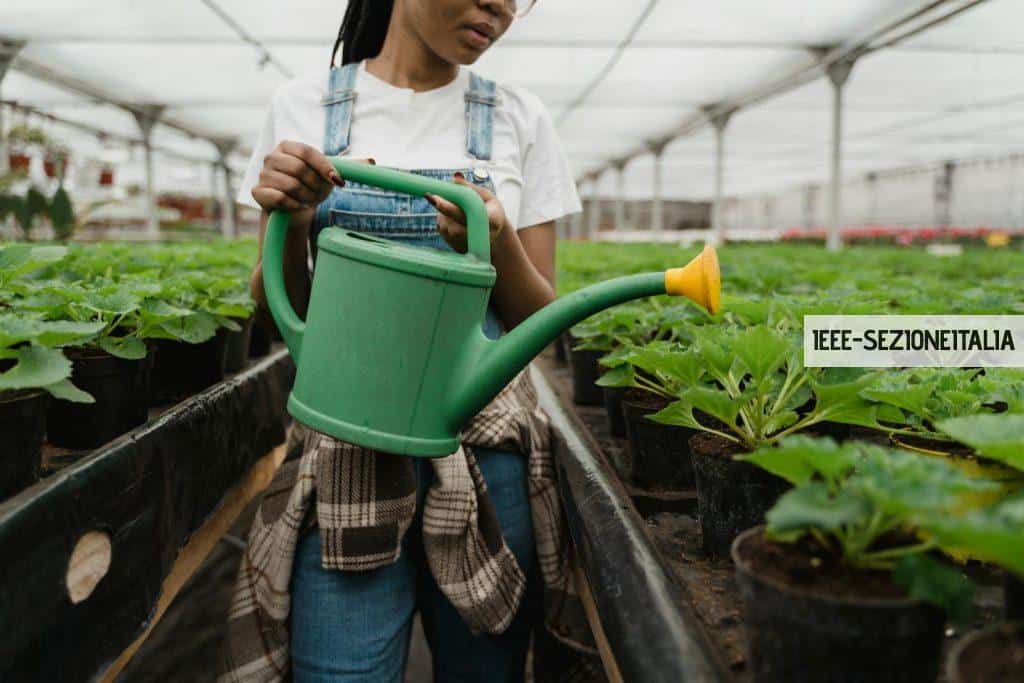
[{"x": 481, "y": 173}]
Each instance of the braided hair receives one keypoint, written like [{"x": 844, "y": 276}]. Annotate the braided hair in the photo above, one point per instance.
[{"x": 362, "y": 31}]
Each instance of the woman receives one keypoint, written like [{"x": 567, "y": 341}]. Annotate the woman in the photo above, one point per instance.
[{"x": 362, "y": 564}]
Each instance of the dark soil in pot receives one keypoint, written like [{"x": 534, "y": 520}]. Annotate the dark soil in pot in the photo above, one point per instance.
[
  {"x": 184, "y": 369},
  {"x": 585, "y": 371},
  {"x": 732, "y": 495},
  {"x": 660, "y": 453},
  {"x": 810, "y": 618},
  {"x": 238, "y": 345},
  {"x": 23, "y": 428},
  {"x": 260, "y": 341},
  {"x": 613, "y": 406},
  {"x": 121, "y": 390},
  {"x": 994, "y": 655},
  {"x": 1013, "y": 597}
]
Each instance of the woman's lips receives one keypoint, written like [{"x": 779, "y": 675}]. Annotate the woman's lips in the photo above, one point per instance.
[{"x": 476, "y": 37}]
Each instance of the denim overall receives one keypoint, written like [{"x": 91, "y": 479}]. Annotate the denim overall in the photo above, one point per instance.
[{"x": 355, "y": 626}]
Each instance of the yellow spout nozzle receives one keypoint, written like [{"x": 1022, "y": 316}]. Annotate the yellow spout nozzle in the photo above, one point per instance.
[{"x": 699, "y": 280}]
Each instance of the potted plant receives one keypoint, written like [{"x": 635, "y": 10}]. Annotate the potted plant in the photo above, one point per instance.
[
  {"x": 846, "y": 580},
  {"x": 21, "y": 139},
  {"x": 655, "y": 374},
  {"x": 32, "y": 371},
  {"x": 999, "y": 438},
  {"x": 758, "y": 391},
  {"x": 55, "y": 161},
  {"x": 106, "y": 176}
]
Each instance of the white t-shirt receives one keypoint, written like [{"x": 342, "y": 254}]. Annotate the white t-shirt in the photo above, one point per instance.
[{"x": 401, "y": 128}]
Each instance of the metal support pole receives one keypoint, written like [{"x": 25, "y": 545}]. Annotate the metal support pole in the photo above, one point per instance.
[
  {"x": 943, "y": 197},
  {"x": 657, "y": 205},
  {"x": 228, "y": 227},
  {"x": 594, "y": 213},
  {"x": 9, "y": 49},
  {"x": 147, "y": 117},
  {"x": 719, "y": 122},
  {"x": 576, "y": 221},
  {"x": 838, "y": 74},
  {"x": 620, "y": 196}
]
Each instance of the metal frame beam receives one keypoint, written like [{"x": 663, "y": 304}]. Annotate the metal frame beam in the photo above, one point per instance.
[
  {"x": 147, "y": 119},
  {"x": 228, "y": 222},
  {"x": 888, "y": 35},
  {"x": 838, "y": 74}
]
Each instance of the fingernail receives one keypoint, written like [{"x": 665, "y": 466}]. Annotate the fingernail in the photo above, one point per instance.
[
  {"x": 337, "y": 179},
  {"x": 458, "y": 174}
]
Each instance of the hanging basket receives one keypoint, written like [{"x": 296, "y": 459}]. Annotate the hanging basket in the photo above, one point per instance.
[
  {"x": 18, "y": 161},
  {"x": 55, "y": 165}
]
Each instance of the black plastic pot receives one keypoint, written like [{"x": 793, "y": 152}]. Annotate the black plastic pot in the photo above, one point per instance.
[
  {"x": 795, "y": 635},
  {"x": 181, "y": 369},
  {"x": 238, "y": 345},
  {"x": 613, "y": 405},
  {"x": 732, "y": 496},
  {"x": 660, "y": 453},
  {"x": 1013, "y": 597},
  {"x": 121, "y": 390},
  {"x": 992, "y": 655},
  {"x": 560, "y": 342},
  {"x": 23, "y": 428},
  {"x": 260, "y": 342},
  {"x": 585, "y": 371}
]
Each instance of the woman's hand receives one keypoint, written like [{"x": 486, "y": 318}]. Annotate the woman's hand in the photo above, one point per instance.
[
  {"x": 295, "y": 177},
  {"x": 451, "y": 221}
]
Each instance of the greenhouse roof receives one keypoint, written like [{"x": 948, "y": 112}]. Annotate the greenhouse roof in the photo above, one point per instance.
[{"x": 936, "y": 80}]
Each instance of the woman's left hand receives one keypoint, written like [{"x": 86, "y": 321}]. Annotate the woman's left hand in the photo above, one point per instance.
[{"x": 451, "y": 221}]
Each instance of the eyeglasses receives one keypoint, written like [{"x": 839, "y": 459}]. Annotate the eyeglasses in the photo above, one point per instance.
[{"x": 519, "y": 8}]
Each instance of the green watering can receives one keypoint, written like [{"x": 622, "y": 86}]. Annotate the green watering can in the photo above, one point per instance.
[{"x": 392, "y": 355}]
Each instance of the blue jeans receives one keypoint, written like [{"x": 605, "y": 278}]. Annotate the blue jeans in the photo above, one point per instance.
[{"x": 355, "y": 626}]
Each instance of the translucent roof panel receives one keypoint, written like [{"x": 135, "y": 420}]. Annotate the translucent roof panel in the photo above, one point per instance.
[{"x": 946, "y": 93}]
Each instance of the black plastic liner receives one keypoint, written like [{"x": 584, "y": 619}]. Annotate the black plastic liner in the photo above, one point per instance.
[
  {"x": 652, "y": 631},
  {"x": 22, "y": 428},
  {"x": 150, "y": 489}
]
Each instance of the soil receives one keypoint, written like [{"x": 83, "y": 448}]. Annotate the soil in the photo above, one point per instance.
[
  {"x": 645, "y": 399},
  {"x": 996, "y": 657},
  {"x": 712, "y": 445},
  {"x": 809, "y": 568}
]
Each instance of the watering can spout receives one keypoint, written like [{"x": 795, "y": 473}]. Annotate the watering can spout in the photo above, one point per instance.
[{"x": 498, "y": 361}]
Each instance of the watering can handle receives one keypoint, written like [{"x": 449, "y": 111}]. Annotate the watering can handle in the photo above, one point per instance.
[
  {"x": 477, "y": 229},
  {"x": 477, "y": 224}
]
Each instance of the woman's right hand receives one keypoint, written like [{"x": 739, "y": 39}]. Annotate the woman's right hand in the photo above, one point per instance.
[{"x": 295, "y": 176}]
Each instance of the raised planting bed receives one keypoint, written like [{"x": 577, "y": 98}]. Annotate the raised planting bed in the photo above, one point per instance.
[
  {"x": 86, "y": 550},
  {"x": 671, "y": 610}
]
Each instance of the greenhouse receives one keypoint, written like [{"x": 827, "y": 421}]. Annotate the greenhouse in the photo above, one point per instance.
[{"x": 511, "y": 340}]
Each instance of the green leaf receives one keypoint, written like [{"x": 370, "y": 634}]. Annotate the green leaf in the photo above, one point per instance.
[
  {"x": 621, "y": 376},
  {"x": 678, "y": 413},
  {"x": 36, "y": 367},
  {"x": 66, "y": 391},
  {"x": 798, "y": 459},
  {"x": 812, "y": 506},
  {"x": 931, "y": 581},
  {"x": 992, "y": 534},
  {"x": 193, "y": 329},
  {"x": 996, "y": 437},
  {"x": 762, "y": 351},
  {"x": 129, "y": 348},
  {"x": 714, "y": 402}
]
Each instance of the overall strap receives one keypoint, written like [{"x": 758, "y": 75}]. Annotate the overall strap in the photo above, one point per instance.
[
  {"x": 481, "y": 98},
  {"x": 339, "y": 100}
]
